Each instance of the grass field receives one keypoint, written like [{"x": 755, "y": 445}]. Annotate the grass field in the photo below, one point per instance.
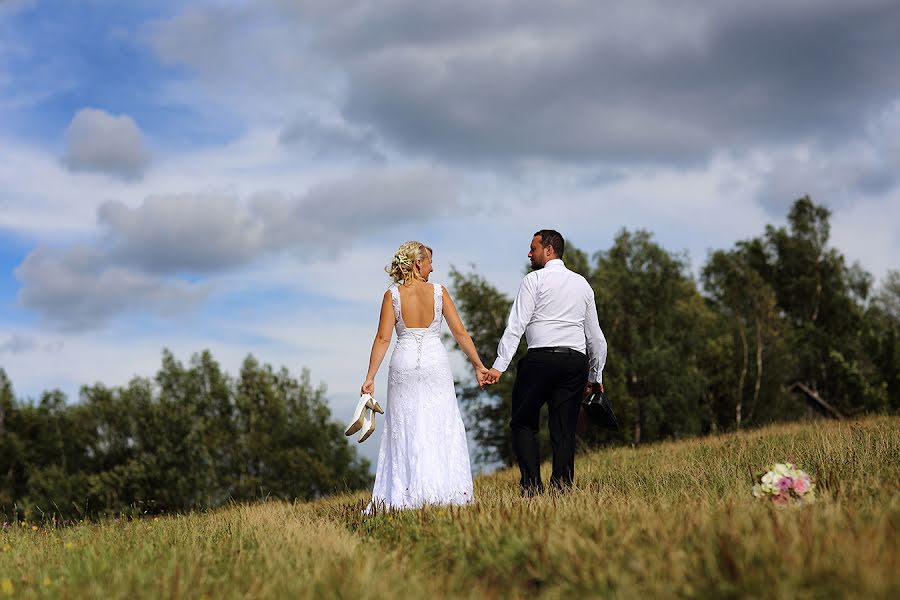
[{"x": 669, "y": 520}]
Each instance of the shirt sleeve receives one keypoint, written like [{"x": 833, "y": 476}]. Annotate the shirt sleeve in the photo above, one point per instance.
[
  {"x": 519, "y": 317},
  {"x": 596, "y": 341}
]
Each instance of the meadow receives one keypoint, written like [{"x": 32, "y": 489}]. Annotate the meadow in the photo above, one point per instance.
[{"x": 674, "y": 519}]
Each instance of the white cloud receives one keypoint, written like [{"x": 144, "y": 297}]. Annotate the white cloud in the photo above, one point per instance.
[
  {"x": 105, "y": 143},
  {"x": 75, "y": 288},
  {"x": 489, "y": 80},
  {"x": 332, "y": 138},
  {"x": 137, "y": 262},
  {"x": 17, "y": 344},
  {"x": 867, "y": 232},
  {"x": 181, "y": 232}
]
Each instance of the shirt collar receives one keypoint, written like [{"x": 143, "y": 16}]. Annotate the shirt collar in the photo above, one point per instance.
[{"x": 555, "y": 263}]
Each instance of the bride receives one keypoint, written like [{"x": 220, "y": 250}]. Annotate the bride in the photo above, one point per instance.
[{"x": 423, "y": 458}]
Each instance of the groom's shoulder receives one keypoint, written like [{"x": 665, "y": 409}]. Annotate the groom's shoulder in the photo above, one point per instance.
[
  {"x": 582, "y": 281},
  {"x": 578, "y": 277},
  {"x": 532, "y": 277}
]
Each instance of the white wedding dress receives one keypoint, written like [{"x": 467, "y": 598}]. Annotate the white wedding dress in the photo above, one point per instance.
[{"x": 423, "y": 458}]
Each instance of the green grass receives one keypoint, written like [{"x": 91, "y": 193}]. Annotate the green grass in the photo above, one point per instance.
[{"x": 669, "y": 520}]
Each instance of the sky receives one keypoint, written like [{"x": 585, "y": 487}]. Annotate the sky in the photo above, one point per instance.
[{"x": 234, "y": 176}]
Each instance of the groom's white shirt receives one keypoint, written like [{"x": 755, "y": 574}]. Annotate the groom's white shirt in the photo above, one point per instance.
[{"x": 555, "y": 307}]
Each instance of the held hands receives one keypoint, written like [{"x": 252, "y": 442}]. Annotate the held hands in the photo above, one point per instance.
[
  {"x": 481, "y": 375},
  {"x": 487, "y": 376}
]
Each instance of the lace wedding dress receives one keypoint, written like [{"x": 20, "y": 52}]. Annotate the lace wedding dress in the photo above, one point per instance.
[{"x": 423, "y": 458}]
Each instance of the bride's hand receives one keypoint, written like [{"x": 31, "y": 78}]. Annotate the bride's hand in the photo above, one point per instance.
[
  {"x": 368, "y": 387},
  {"x": 481, "y": 376}
]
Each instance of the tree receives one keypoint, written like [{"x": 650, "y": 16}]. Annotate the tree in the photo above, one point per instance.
[
  {"x": 748, "y": 302},
  {"x": 822, "y": 301},
  {"x": 657, "y": 326},
  {"x": 12, "y": 472},
  {"x": 882, "y": 336},
  {"x": 191, "y": 437},
  {"x": 485, "y": 310}
]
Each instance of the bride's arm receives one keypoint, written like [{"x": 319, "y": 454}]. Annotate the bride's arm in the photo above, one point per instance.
[
  {"x": 381, "y": 343},
  {"x": 459, "y": 332}
]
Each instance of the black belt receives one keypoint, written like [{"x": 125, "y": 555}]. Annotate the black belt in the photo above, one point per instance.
[{"x": 557, "y": 350}]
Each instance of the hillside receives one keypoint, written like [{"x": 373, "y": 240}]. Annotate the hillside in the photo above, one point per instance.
[{"x": 668, "y": 520}]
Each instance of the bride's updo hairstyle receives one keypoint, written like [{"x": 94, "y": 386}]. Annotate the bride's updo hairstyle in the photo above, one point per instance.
[{"x": 403, "y": 266}]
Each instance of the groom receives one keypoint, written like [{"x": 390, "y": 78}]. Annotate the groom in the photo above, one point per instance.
[{"x": 566, "y": 354}]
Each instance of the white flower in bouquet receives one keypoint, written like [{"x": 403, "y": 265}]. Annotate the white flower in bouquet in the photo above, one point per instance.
[{"x": 783, "y": 484}]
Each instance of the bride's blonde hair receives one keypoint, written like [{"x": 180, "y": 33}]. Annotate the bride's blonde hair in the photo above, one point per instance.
[{"x": 403, "y": 265}]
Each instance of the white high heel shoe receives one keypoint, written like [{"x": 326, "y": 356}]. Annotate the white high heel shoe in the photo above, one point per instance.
[
  {"x": 373, "y": 404},
  {"x": 365, "y": 401},
  {"x": 368, "y": 427}
]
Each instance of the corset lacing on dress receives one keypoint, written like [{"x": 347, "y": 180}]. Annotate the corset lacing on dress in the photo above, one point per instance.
[{"x": 419, "y": 336}]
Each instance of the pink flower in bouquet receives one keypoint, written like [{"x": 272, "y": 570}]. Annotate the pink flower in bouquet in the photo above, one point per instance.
[
  {"x": 784, "y": 484},
  {"x": 780, "y": 499}
]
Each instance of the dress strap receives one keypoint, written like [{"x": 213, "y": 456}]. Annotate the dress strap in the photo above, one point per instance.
[
  {"x": 438, "y": 302},
  {"x": 395, "y": 300}
]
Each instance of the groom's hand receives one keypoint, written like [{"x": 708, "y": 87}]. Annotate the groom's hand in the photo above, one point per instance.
[
  {"x": 493, "y": 376},
  {"x": 592, "y": 387}
]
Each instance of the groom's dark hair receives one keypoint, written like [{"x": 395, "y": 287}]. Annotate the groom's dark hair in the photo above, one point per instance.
[{"x": 554, "y": 239}]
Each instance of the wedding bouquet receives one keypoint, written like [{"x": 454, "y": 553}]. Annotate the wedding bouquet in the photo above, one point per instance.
[{"x": 784, "y": 484}]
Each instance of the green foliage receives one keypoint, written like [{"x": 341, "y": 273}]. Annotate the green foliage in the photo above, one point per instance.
[
  {"x": 190, "y": 438},
  {"x": 778, "y": 309},
  {"x": 882, "y": 337},
  {"x": 655, "y": 322},
  {"x": 485, "y": 310}
]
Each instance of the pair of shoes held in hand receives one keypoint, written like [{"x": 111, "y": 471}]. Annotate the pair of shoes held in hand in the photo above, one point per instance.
[{"x": 364, "y": 417}]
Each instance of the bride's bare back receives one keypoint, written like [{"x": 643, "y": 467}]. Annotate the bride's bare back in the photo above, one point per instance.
[
  {"x": 418, "y": 310},
  {"x": 417, "y": 304}
]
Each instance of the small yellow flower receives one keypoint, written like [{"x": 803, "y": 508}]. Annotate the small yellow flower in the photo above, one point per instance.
[
  {"x": 155, "y": 519},
  {"x": 47, "y": 582},
  {"x": 68, "y": 545},
  {"x": 34, "y": 527},
  {"x": 6, "y": 585}
]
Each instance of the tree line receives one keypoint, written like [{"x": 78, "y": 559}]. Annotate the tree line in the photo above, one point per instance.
[
  {"x": 191, "y": 437},
  {"x": 776, "y": 328}
]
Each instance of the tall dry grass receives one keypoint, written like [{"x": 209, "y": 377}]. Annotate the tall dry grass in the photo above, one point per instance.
[{"x": 671, "y": 520}]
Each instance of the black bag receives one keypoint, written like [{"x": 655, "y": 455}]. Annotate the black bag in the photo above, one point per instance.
[{"x": 598, "y": 407}]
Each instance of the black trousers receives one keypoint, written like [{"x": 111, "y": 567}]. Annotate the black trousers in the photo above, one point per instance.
[{"x": 557, "y": 379}]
